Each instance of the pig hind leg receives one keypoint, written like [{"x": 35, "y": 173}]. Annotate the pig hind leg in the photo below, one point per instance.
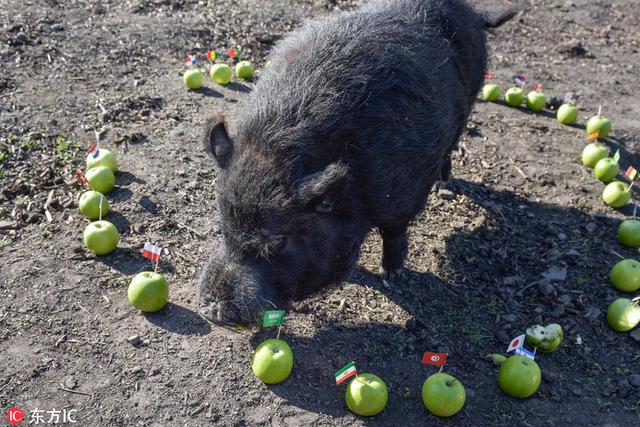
[{"x": 394, "y": 251}]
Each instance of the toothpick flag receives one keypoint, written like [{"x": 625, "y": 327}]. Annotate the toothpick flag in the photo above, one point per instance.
[
  {"x": 616, "y": 156},
  {"x": 520, "y": 80},
  {"x": 80, "y": 177},
  {"x": 631, "y": 173},
  {"x": 94, "y": 150},
  {"x": 151, "y": 252},
  {"x": 273, "y": 318},
  {"x": 212, "y": 55},
  {"x": 346, "y": 372},
  {"x": 521, "y": 351},
  {"x": 233, "y": 53},
  {"x": 488, "y": 76},
  {"x": 438, "y": 359},
  {"x": 190, "y": 60},
  {"x": 538, "y": 87},
  {"x": 515, "y": 343}
]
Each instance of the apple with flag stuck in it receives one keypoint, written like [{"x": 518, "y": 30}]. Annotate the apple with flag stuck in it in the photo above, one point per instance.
[
  {"x": 272, "y": 361},
  {"x": 606, "y": 170},
  {"x": 616, "y": 194},
  {"x": 600, "y": 125},
  {"x": 491, "y": 92},
  {"x": 366, "y": 395},
  {"x": 546, "y": 338},
  {"x": 536, "y": 101},
  {"x": 101, "y": 237},
  {"x": 625, "y": 275},
  {"x": 221, "y": 73},
  {"x": 623, "y": 315},
  {"x": 90, "y": 204},
  {"x": 101, "y": 179},
  {"x": 593, "y": 153},
  {"x": 629, "y": 233},
  {"x": 244, "y": 70},
  {"x": 193, "y": 79},
  {"x": 514, "y": 97},
  {"x": 567, "y": 114},
  {"x": 105, "y": 158},
  {"x": 519, "y": 376},
  {"x": 443, "y": 395},
  {"x": 148, "y": 291}
]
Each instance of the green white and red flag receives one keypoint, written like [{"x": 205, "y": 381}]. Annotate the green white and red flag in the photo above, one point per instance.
[{"x": 346, "y": 372}]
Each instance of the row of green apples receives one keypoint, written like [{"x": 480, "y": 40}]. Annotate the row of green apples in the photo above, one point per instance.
[
  {"x": 536, "y": 101},
  {"x": 220, "y": 73},
  {"x": 148, "y": 291},
  {"x": 442, "y": 394}
]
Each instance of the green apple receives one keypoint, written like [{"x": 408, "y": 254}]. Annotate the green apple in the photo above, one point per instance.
[
  {"x": 148, "y": 291},
  {"x": 536, "y": 101},
  {"x": 546, "y": 338},
  {"x": 491, "y": 92},
  {"x": 366, "y": 395},
  {"x": 599, "y": 124},
  {"x": 244, "y": 70},
  {"x": 221, "y": 73},
  {"x": 101, "y": 237},
  {"x": 623, "y": 315},
  {"x": 272, "y": 361},
  {"x": 606, "y": 170},
  {"x": 514, "y": 97},
  {"x": 90, "y": 204},
  {"x": 443, "y": 395},
  {"x": 592, "y": 153},
  {"x": 629, "y": 233},
  {"x": 101, "y": 179},
  {"x": 193, "y": 79},
  {"x": 625, "y": 275},
  {"x": 567, "y": 114},
  {"x": 519, "y": 376},
  {"x": 105, "y": 158},
  {"x": 616, "y": 194}
]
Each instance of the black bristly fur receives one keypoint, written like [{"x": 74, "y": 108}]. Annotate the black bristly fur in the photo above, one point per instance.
[{"x": 348, "y": 129}]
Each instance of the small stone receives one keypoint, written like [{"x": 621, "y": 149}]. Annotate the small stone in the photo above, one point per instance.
[
  {"x": 510, "y": 317},
  {"x": 445, "y": 194},
  {"x": 70, "y": 383},
  {"x": 562, "y": 237},
  {"x": 634, "y": 380},
  {"x": 555, "y": 274},
  {"x": 57, "y": 27},
  {"x": 134, "y": 340}
]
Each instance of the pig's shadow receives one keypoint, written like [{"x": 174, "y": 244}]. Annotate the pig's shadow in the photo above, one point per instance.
[
  {"x": 179, "y": 320},
  {"x": 457, "y": 315}
]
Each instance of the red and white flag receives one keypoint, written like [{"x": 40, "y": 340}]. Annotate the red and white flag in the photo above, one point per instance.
[
  {"x": 429, "y": 358},
  {"x": 80, "y": 177},
  {"x": 94, "y": 150},
  {"x": 190, "y": 60},
  {"x": 517, "y": 342},
  {"x": 152, "y": 252}
]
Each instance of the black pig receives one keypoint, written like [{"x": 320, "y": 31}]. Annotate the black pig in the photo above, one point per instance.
[{"x": 347, "y": 130}]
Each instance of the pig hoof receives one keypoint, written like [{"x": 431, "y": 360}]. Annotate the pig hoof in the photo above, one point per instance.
[{"x": 390, "y": 277}]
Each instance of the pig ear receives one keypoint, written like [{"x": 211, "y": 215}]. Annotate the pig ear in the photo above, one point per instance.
[
  {"x": 321, "y": 189},
  {"x": 217, "y": 141}
]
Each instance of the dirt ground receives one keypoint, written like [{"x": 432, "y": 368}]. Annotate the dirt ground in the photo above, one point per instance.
[{"x": 521, "y": 208}]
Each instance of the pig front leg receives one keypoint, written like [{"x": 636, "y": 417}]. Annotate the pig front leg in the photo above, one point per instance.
[{"x": 394, "y": 251}]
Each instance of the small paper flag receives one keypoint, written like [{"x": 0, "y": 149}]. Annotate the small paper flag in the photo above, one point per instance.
[
  {"x": 520, "y": 80},
  {"x": 429, "y": 358},
  {"x": 233, "y": 53},
  {"x": 616, "y": 156},
  {"x": 94, "y": 150},
  {"x": 190, "y": 60},
  {"x": 631, "y": 173},
  {"x": 273, "y": 318},
  {"x": 80, "y": 177},
  {"x": 212, "y": 55},
  {"x": 515, "y": 343},
  {"x": 593, "y": 135},
  {"x": 348, "y": 371},
  {"x": 488, "y": 76},
  {"x": 151, "y": 252},
  {"x": 524, "y": 352},
  {"x": 538, "y": 87}
]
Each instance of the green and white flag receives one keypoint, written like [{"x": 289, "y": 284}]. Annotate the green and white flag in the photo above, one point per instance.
[
  {"x": 346, "y": 372},
  {"x": 273, "y": 318}
]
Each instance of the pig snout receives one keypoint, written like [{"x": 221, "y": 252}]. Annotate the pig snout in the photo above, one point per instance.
[{"x": 235, "y": 292}]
